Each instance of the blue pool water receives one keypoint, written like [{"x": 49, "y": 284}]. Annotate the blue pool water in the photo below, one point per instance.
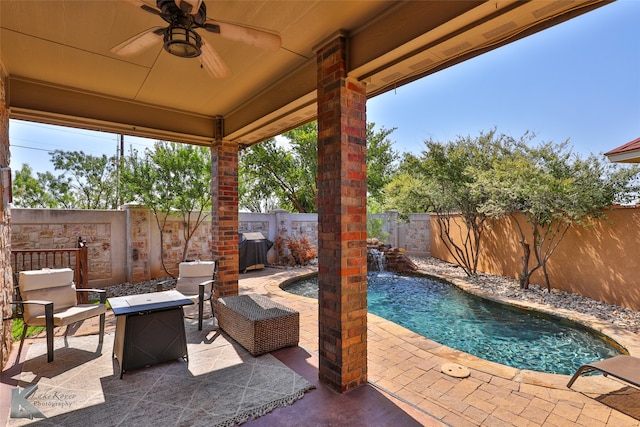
[{"x": 449, "y": 316}]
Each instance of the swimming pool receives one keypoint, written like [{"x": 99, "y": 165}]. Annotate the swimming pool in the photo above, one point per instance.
[{"x": 491, "y": 331}]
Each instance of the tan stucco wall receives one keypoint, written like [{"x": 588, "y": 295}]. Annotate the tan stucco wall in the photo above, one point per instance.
[{"x": 599, "y": 261}]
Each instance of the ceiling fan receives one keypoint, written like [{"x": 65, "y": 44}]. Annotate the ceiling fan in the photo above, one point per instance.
[{"x": 181, "y": 39}]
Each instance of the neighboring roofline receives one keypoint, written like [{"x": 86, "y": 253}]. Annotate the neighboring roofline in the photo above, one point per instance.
[
  {"x": 632, "y": 156},
  {"x": 629, "y": 146},
  {"x": 627, "y": 153}
]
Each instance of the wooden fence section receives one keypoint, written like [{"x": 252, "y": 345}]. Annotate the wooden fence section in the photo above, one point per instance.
[{"x": 36, "y": 259}]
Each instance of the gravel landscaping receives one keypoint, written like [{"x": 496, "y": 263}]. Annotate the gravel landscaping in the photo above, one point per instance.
[{"x": 510, "y": 288}]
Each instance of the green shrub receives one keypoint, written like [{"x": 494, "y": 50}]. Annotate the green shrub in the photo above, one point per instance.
[
  {"x": 375, "y": 228},
  {"x": 16, "y": 330}
]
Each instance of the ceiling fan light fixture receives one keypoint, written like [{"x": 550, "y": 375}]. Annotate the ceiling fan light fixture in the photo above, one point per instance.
[{"x": 182, "y": 42}]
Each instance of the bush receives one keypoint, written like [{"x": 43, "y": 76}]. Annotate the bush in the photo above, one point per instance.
[
  {"x": 16, "y": 330},
  {"x": 293, "y": 252},
  {"x": 279, "y": 247},
  {"x": 375, "y": 228},
  {"x": 301, "y": 251}
]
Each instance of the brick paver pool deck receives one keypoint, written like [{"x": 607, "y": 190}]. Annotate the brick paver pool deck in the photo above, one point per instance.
[{"x": 408, "y": 367}]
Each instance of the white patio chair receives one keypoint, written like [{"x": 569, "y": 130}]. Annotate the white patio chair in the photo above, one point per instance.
[
  {"x": 49, "y": 299},
  {"x": 195, "y": 281}
]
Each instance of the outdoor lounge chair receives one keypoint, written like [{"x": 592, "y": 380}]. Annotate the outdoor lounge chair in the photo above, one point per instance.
[
  {"x": 49, "y": 299},
  {"x": 195, "y": 281},
  {"x": 625, "y": 368}
]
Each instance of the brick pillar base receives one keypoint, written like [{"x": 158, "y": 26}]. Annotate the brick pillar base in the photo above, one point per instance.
[
  {"x": 224, "y": 217},
  {"x": 342, "y": 222}
]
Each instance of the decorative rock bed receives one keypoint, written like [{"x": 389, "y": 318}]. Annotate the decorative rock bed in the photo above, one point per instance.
[{"x": 506, "y": 287}]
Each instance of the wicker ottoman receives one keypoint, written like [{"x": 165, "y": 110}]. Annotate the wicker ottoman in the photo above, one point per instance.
[{"x": 257, "y": 323}]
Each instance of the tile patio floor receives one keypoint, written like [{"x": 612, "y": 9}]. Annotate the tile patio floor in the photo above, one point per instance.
[{"x": 407, "y": 386}]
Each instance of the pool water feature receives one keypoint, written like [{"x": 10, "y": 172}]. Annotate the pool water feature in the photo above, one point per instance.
[{"x": 491, "y": 331}]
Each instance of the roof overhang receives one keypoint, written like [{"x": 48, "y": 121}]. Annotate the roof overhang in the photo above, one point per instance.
[
  {"x": 61, "y": 71},
  {"x": 627, "y": 153}
]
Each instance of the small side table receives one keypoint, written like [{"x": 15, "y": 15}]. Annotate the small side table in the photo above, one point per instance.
[
  {"x": 149, "y": 329},
  {"x": 259, "y": 324}
]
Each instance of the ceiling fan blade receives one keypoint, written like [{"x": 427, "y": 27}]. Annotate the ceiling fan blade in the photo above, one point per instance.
[
  {"x": 189, "y": 6},
  {"x": 144, "y": 6},
  {"x": 212, "y": 62},
  {"x": 248, "y": 35},
  {"x": 139, "y": 42}
]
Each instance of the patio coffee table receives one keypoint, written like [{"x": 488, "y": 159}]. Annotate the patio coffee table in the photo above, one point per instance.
[{"x": 149, "y": 329}]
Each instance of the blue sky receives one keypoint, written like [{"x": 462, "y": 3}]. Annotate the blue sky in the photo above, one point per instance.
[{"x": 579, "y": 80}]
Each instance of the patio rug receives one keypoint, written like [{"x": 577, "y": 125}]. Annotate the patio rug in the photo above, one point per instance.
[{"x": 220, "y": 385}]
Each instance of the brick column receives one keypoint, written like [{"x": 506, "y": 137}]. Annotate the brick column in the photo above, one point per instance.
[
  {"x": 224, "y": 216},
  {"x": 6, "y": 281},
  {"x": 342, "y": 221}
]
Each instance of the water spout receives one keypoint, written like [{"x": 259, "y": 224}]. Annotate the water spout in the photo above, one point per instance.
[{"x": 375, "y": 260}]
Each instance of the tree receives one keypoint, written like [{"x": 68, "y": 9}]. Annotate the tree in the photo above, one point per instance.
[
  {"x": 277, "y": 174},
  {"x": 171, "y": 178},
  {"x": 29, "y": 192},
  {"x": 552, "y": 189},
  {"x": 253, "y": 194},
  {"x": 58, "y": 189},
  {"x": 381, "y": 163},
  {"x": 273, "y": 174},
  {"x": 451, "y": 190},
  {"x": 406, "y": 189},
  {"x": 91, "y": 179},
  {"x": 86, "y": 182}
]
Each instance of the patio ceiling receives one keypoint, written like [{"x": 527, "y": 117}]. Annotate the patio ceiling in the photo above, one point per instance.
[{"x": 57, "y": 55}]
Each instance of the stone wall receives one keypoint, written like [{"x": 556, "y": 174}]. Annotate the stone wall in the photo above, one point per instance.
[
  {"x": 6, "y": 282},
  {"x": 200, "y": 245},
  {"x": 415, "y": 234},
  {"x": 296, "y": 226},
  {"x": 125, "y": 245},
  {"x": 412, "y": 234},
  {"x": 138, "y": 261},
  {"x": 104, "y": 232}
]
